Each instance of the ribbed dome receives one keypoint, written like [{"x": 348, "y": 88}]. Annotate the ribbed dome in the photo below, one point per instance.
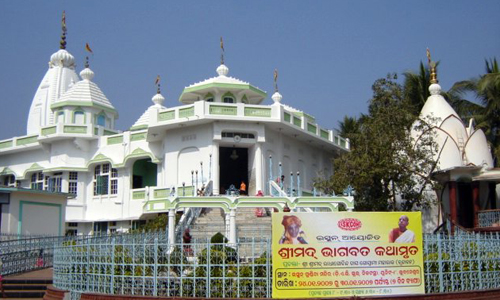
[
  {"x": 276, "y": 97},
  {"x": 222, "y": 70},
  {"x": 87, "y": 74},
  {"x": 158, "y": 99},
  {"x": 62, "y": 58}
]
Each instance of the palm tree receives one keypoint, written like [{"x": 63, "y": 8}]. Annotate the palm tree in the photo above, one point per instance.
[
  {"x": 487, "y": 91},
  {"x": 416, "y": 88}
]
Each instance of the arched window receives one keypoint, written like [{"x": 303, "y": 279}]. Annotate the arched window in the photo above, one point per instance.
[
  {"x": 60, "y": 117},
  {"x": 228, "y": 98},
  {"x": 79, "y": 117},
  {"x": 101, "y": 120},
  {"x": 105, "y": 180},
  {"x": 209, "y": 97},
  {"x": 10, "y": 181}
]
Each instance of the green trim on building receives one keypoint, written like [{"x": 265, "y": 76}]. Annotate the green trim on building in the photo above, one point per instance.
[
  {"x": 83, "y": 104},
  {"x": 311, "y": 128},
  {"x": 286, "y": 117},
  {"x": 109, "y": 132},
  {"x": 138, "y": 127},
  {"x": 223, "y": 110},
  {"x": 21, "y": 208},
  {"x": 139, "y": 195},
  {"x": 75, "y": 129},
  {"x": 324, "y": 133},
  {"x": 186, "y": 112},
  {"x": 166, "y": 115},
  {"x": 7, "y": 171},
  {"x": 257, "y": 112},
  {"x": 27, "y": 140},
  {"x": 100, "y": 158},
  {"x": 49, "y": 130},
  {"x": 309, "y": 118},
  {"x": 6, "y": 144},
  {"x": 138, "y": 153},
  {"x": 297, "y": 121},
  {"x": 112, "y": 140},
  {"x": 161, "y": 193},
  {"x": 76, "y": 110},
  {"x": 223, "y": 86},
  {"x": 138, "y": 136}
]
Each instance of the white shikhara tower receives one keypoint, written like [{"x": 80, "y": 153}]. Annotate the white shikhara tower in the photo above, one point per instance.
[{"x": 59, "y": 77}]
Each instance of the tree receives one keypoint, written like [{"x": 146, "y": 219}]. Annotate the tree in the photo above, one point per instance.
[
  {"x": 487, "y": 115},
  {"x": 384, "y": 167}
]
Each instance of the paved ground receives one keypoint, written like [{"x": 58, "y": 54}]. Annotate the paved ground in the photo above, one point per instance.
[{"x": 40, "y": 274}]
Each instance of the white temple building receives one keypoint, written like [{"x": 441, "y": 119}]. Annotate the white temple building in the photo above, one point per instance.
[
  {"x": 468, "y": 196},
  {"x": 222, "y": 134}
]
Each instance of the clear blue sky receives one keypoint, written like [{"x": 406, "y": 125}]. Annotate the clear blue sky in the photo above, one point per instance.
[{"x": 328, "y": 53}]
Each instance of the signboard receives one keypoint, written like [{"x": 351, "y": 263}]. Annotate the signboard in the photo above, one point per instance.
[{"x": 347, "y": 254}]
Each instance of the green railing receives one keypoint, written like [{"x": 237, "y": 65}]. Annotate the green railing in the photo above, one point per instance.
[
  {"x": 186, "y": 112},
  {"x": 49, "y": 130},
  {"x": 166, "y": 115},
  {"x": 139, "y": 194},
  {"x": 75, "y": 129},
  {"x": 223, "y": 110},
  {"x": 27, "y": 140},
  {"x": 138, "y": 136},
  {"x": 257, "y": 112},
  {"x": 6, "y": 144},
  {"x": 112, "y": 140}
]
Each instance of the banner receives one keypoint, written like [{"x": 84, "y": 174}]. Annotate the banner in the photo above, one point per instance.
[{"x": 347, "y": 254}]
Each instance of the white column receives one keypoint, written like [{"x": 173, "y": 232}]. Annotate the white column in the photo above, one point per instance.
[
  {"x": 227, "y": 226},
  {"x": 171, "y": 226},
  {"x": 258, "y": 168},
  {"x": 215, "y": 168},
  {"x": 232, "y": 227}
]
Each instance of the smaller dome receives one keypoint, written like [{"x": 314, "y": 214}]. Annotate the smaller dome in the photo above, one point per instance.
[
  {"x": 277, "y": 97},
  {"x": 87, "y": 74},
  {"x": 158, "y": 99},
  {"x": 435, "y": 89},
  {"x": 62, "y": 58},
  {"x": 222, "y": 70}
]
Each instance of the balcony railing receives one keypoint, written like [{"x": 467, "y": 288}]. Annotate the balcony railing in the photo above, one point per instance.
[{"x": 489, "y": 218}]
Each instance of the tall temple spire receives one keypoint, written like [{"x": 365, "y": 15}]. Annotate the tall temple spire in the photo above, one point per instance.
[
  {"x": 63, "y": 36},
  {"x": 276, "y": 80},
  {"x": 432, "y": 66},
  {"x": 222, "y": 51}
]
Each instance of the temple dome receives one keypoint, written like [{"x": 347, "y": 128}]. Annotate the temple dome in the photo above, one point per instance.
[{"x": 62, "y": 58}]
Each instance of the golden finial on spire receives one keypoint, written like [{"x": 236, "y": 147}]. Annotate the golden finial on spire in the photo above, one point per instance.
[
  {"x": 157, "y": 83},
  {"x": 222, "y": 51},
  {"x": 276, "y": 80},
  {"x": 432, "y": 66},
  {"x": 62, "y": 44}
]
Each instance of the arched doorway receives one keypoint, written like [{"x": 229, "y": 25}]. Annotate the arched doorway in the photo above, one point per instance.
[{"x": 144, "y": 173}]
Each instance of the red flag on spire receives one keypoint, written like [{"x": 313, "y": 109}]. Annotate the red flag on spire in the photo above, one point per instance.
[{"x": 87, "y": 47}]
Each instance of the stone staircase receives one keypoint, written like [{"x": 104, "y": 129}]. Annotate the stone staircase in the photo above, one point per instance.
[
  {"x": 25, "y": 288},
  {"x": 248, "y": 225}
]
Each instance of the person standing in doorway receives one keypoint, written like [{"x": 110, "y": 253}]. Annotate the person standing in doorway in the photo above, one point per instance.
[{"x": 243, "y": 188}]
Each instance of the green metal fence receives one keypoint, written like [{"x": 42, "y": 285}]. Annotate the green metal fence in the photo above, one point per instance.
[
  {"x": 131, "y": 266},
  {"x": 146, "y": 264}
]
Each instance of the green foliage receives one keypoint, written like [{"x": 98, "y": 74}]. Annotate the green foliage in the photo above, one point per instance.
[
  {"x": 486, "y": 89},
  {"x": 218, "y": 238},
  {"x": 383, "y": 162}
]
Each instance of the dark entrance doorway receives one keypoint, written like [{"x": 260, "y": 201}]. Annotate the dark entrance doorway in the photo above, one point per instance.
[
  {"x": 465, "y": 205},
  {"x": 233, "y": 164},
  {"x": 144, "y": 174}
]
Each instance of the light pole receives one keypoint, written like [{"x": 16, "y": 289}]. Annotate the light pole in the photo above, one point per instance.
[
  {"x": 298, "y": 184},
  {"x": 192, "y": 180},
  {"x": 270, "y": 169},
  {"x": 291, "y": 184},
  {"x": 196, "y": 181},
  {"x": 183, "y": 189},
  {"x": 281, "y": 176},
  {"x": 201, "y": 167},
  {"x": 210, "y": 169}
]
